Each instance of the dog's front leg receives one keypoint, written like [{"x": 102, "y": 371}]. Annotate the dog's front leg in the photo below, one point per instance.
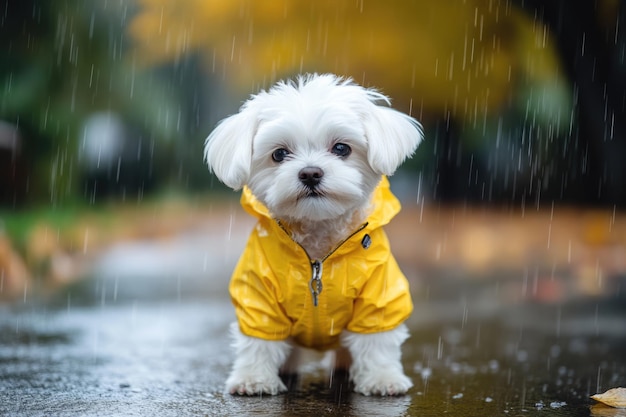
[
  {"x": 376, "y": 367},
  {"x": 256, "y": 366}
]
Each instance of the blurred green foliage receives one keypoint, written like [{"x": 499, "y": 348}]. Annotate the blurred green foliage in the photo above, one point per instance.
[
  {"x": 18, "y": 225},
  {"x": 62, "y": 62}
]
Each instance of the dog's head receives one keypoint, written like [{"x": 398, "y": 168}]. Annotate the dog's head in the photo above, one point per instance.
[{"x": 313, "y": 148}]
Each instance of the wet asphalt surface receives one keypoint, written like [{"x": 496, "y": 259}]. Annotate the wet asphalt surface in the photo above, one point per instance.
[
  {"x": 154, "y": 342},
  {"x": 470, "y": 354}
]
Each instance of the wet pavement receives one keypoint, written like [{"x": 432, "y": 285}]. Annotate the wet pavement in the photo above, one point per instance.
[
  {"x": 147, "y": 335},
  {"x": 470, "y": 354}
]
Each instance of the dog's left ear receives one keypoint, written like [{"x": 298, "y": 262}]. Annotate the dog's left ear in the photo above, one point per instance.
[{"x": 392, "y": 137}]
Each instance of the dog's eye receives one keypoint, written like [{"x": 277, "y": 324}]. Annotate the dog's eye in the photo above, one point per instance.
[
  {"x": 341, "y": 149},
  {"x": 279, "y": 154}
]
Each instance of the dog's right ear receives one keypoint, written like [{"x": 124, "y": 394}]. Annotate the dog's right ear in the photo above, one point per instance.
[{"x": 228, "y": 149}]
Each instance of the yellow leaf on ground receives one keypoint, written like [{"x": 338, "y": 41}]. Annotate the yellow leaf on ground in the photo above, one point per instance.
[{"x": 615, "y": 397}]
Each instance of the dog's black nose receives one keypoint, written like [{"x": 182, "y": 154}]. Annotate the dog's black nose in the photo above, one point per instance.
[{"x": 310, "y": 176}]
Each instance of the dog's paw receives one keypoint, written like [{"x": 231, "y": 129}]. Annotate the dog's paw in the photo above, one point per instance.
[
  {"x": 254, "y": 384},
  {"x": 382, "y": 383}
]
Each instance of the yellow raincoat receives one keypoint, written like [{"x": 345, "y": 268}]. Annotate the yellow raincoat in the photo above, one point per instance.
[{"x": 362, "y": 288}]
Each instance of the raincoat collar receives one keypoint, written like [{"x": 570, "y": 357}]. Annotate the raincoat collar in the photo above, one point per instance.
[{"x": 385, "y": 205}]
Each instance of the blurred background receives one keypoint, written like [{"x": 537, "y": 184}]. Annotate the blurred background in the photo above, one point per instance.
[
  {"x": 105, "y": 105},
  {"x": 512, "y": 233}
]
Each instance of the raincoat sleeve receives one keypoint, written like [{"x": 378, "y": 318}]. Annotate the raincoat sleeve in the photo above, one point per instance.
[
  {"x": 384, "y": 301},
  {"x": 256, "y": 296}
]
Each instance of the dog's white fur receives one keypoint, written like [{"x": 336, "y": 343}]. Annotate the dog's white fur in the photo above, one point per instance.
[{"x": 307, "y": 117}]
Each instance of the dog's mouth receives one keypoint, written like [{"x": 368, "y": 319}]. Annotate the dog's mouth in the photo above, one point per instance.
[{"x": 311, "y": 193}]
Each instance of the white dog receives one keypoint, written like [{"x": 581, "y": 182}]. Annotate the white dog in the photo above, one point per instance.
[{"x": 312, "y": 156}]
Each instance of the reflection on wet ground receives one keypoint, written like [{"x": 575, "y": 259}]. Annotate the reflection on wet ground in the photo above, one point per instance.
[
  {"x": 514, "y": 316},
  {"x": 469, "y": 355}
]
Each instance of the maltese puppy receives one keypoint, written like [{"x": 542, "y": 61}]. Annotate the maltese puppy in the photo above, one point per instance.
[{"x": 312, "y": 156}]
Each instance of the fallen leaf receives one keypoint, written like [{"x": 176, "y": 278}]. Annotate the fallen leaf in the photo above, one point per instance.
[{"x": 615, "y": 397}]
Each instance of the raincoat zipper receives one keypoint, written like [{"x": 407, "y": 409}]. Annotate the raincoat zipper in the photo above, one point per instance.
[{"x": 315, "y": 284}]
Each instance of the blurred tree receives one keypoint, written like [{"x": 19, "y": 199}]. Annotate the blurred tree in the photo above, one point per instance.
[
  {"x": 482, "y": 75},
  {"x": 485, "y": 76},
  {"x": 61, "y": 62},
  {"x": 592, "y": 48},
  {"x": 460, "y": 58}
]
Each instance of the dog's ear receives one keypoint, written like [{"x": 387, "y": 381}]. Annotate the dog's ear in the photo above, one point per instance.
[
  {"x": 228, "y": 149},
  {"x": 392, "y": 137}
]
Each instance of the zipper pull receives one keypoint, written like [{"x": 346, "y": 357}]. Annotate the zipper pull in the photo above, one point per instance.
[{"x": 315, "y": 285}]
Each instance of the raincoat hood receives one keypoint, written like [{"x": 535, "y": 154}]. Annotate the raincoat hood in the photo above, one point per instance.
[{"x": 279, "y": 292}]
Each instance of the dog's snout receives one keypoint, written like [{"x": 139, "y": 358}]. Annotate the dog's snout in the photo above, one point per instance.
[{"x": 310, "y": 176}]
